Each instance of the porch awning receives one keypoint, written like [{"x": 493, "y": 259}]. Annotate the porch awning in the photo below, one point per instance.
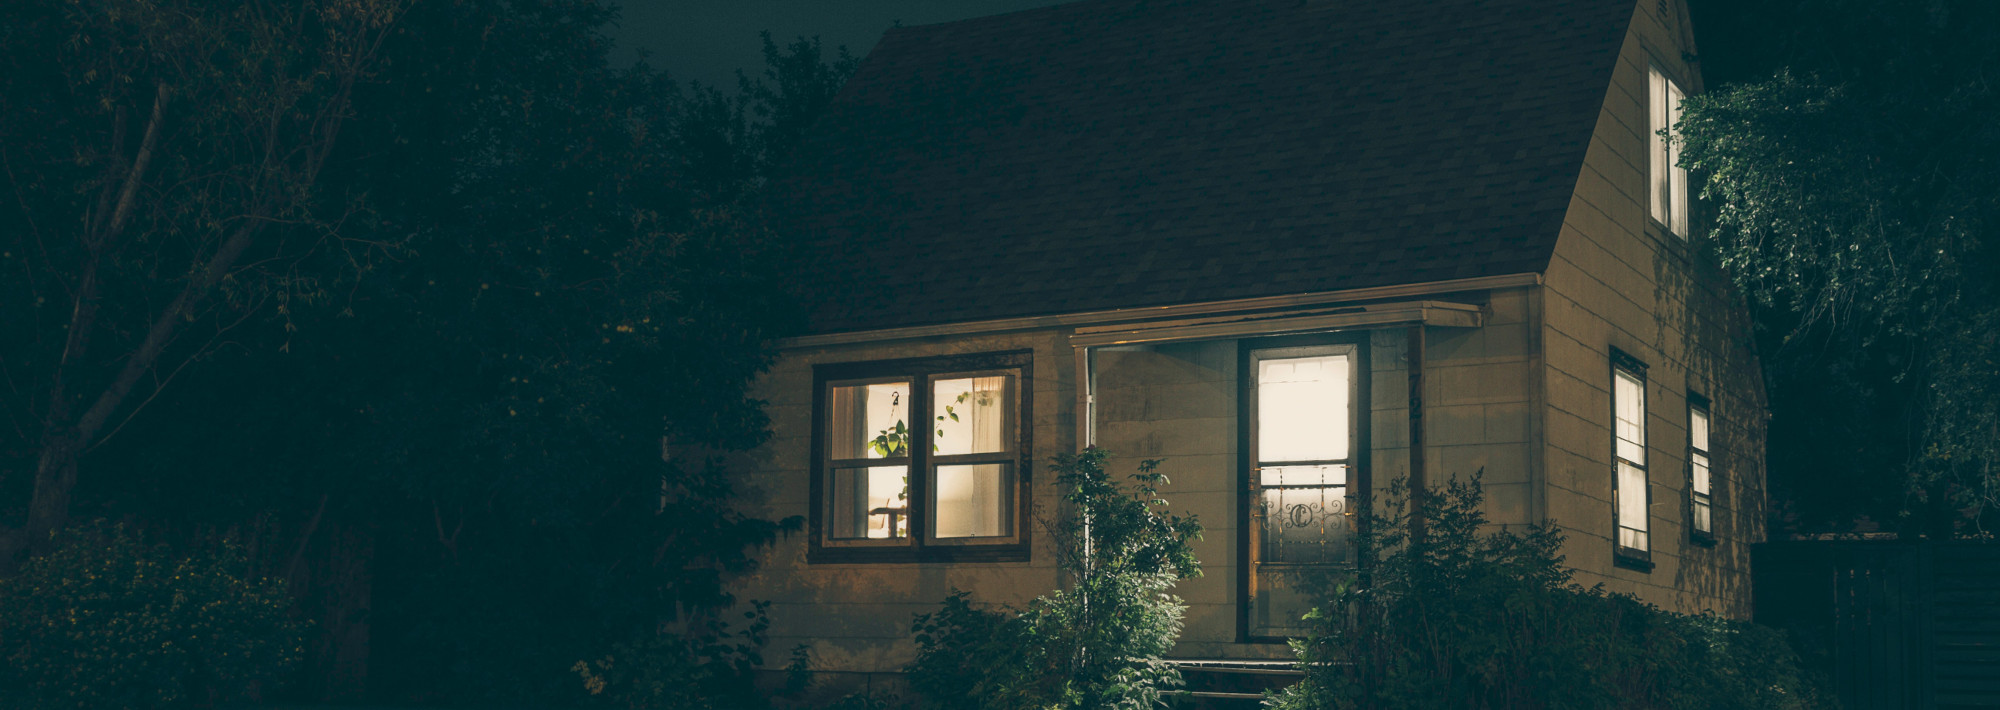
[{"x": 1431, "y": 313}]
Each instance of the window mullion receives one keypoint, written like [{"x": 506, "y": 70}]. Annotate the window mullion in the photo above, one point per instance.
[{"x": 922, "y": 469}]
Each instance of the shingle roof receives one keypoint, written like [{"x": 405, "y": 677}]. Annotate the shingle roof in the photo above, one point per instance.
[{"x": 1112, "y": 153}]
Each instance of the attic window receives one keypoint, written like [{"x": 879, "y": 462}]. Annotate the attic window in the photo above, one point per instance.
[{"x": 1668, "y": 191}]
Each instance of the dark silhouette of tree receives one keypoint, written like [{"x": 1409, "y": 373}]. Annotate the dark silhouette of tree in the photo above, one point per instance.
[
  {"x": 435, "y": 396},
  {"x": 1851, "y": 168}
]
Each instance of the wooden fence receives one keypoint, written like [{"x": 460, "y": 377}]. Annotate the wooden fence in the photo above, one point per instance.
[{"x": 1895, "y": 624}]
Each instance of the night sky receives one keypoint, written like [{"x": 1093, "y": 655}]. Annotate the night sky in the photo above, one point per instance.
[{"x": 708, "y": 40}]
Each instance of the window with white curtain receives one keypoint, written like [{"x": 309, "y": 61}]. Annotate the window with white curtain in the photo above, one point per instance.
[
  {"x": 917, "y": 454},
  {"x": 1629, "y": 483},
  {"x": 1668, "y": 191},
  {"x": 1701, "y": 500}
]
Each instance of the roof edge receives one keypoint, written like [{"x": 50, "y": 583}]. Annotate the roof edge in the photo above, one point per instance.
[{"x": 1131, "y": 315}]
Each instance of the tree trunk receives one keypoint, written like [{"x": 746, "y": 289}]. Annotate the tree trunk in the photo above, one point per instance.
[{"x": 55, "y": 478}]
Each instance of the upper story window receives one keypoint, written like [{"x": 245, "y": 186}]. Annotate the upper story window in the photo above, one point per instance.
[
  {"x": 921, "y": 459},
  {"x": 1630, "y": 490},
  {"x": 1701, "y": 501},
  {"x": 1668, "y": 185}
]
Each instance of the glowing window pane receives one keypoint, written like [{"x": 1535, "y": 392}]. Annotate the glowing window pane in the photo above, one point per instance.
[
  {"x": 1302, "y": 476},
  {"x": 1305, "y": 525},
  {"x": 1701, "y": 483},
  {"x": 871, "y": 502},
  {"x": 1632, "y": 504},
  {"x": 869, "y": 421},
  {"x": 1629, "y": 401},
  {"x": 972, "y": 415},
  {"x": 1667, "y": 181},
  {"x": 1302, "y": 408},
  {"x": 1656, "y": 115},
  {"x": 975, "y": 500},
  {"x": 1677, "y": 187},
  {"x": 1698, "y": 429}
]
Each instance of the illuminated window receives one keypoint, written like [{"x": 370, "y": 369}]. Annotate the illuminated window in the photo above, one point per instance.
[
  {"x": 1701, "y": 502},
  {"x": 871, "y": 459},
  {"x": 1304, "y": 407},
  {"x": 921, "y": 459},
  {"x": 1668, "y": 191},
  {"x": 1630, "y": 489}
]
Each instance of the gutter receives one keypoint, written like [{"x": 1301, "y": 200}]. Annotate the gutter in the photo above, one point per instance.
[{"x": 1133, "y": 315}]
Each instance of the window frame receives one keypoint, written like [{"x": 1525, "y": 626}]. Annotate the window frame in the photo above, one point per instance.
[
  {"x": 1360, "y": 478},
  {"x": 1621, "y": 555},
  {"x": 1662, "y": 155},
  {"x": 1696, "y": 499},
  {"x": 921, "y": 545}
]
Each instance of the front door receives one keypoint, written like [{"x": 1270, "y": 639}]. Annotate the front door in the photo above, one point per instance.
[{"x": 1303, "y": 480}]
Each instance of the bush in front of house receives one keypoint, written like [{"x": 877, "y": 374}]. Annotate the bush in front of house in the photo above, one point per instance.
[
  {"x": 1097, "y": 644},
  {"x": 711, "y": 670},
  {"x": 1466, "y": 618},
  {"x": 108, "y": 620}
]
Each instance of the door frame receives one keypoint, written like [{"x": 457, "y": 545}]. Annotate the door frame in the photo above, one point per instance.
[{"x": 1360, "y": 480}]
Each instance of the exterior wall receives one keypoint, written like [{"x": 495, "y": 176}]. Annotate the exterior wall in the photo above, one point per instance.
[
  {"x": 1177, "y": 402},
  {"x": 1617, "y": 280},
  {"x": 1525, "y": 398},
  {"x": 1180, "y": 402},
  {"x": 1480, "y": 390},
  {"x": 857, "y": 616}
]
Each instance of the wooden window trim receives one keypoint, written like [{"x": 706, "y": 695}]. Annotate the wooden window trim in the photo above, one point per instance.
[
  {"x": 1705, "y": 538},
  {"x": 1684, "y": 208},
  {"x": 921, "y": 372},
  {"x": 1622, "y": 556},
  {"x": 1360, "y": 476}
]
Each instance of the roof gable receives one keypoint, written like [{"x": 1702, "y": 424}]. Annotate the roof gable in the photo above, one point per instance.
[{"x": 1114, "y": 154}]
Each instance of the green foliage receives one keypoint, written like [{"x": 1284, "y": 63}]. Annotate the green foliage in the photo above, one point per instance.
[
  {"x": 1464, "y": 617},
  {"x": 528, "y": 268},
  {"x": 108, "y": 620},
  {"x": 1856, "y": 196},
  {"x": 665, "y": 671},
  {"x": 1094, "y": 645}
]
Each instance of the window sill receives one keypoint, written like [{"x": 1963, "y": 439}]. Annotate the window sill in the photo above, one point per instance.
[
  {"x": 1676, "y": 244},
  {"x": 1632, "y": 559},
  {"x": 1701, "y": 538},
  {"x": 1012, "y": 552}
]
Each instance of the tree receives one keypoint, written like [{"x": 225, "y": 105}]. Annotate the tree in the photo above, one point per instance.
[
  {"x": 163, "y": 160},
  {"x": 1097, "y": 643},
  {"x": 1856, "y": 198},
  {"x": 549, "y": 266}
]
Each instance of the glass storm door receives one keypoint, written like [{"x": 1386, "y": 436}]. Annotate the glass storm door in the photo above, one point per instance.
[{"x": 1302, "y": 442}]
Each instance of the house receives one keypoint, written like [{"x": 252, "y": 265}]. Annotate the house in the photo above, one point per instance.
[{"x": 1298, "y": 249}]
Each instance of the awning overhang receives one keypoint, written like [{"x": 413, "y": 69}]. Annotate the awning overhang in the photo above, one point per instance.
[{"x": 1381, "y": 315}]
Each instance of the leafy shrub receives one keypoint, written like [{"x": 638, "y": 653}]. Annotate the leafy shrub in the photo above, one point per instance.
[
  {"x": 1095, "y": 645},
  {"x": 702, "y": 672},
  {"x": 109, "y": 621},
  {"x": 1461, "y": 619}
]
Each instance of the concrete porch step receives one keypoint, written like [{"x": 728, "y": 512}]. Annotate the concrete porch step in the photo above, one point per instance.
[{"x": 1231, "y": 684}]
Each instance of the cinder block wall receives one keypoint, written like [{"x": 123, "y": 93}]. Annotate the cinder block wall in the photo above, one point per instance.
[
  {"x": 1178, "y": 402},
  {"x": 857, "y": 616}
]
